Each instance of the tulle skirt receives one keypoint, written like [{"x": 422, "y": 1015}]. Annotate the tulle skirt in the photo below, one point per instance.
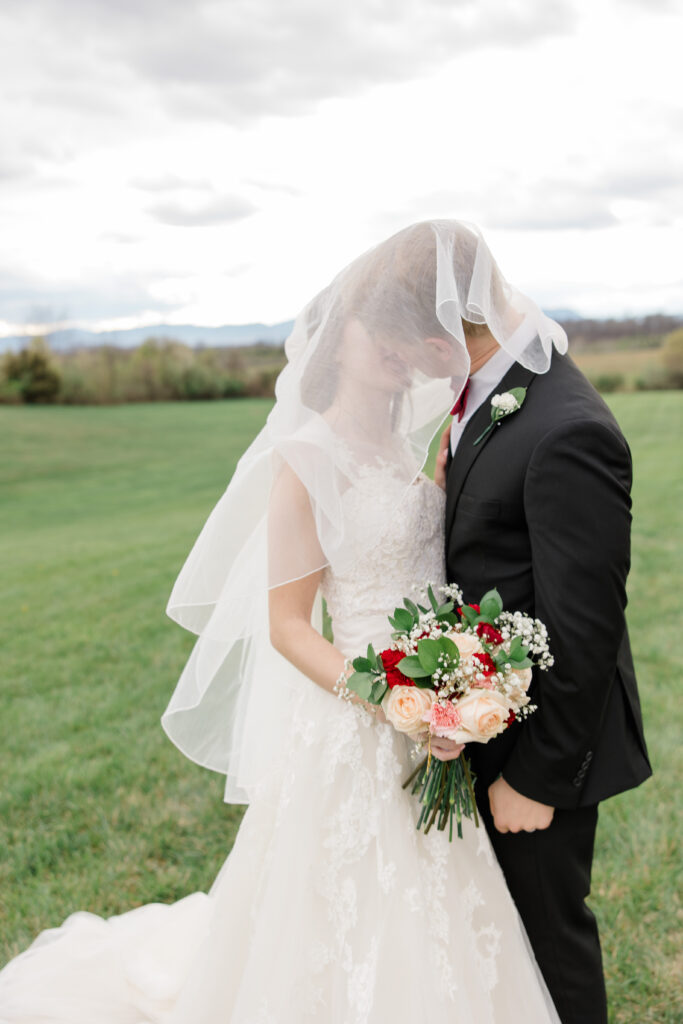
[{"x": 331, "y": 907}]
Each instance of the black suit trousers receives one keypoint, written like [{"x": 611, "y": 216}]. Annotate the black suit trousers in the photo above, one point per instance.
[{"x": 548, "y": 873}]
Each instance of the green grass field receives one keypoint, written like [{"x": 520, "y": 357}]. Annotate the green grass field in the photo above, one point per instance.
[{"x": 99, "y": 811}]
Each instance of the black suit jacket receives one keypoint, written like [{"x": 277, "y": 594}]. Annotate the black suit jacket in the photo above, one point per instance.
[{"x": 541, "y": 510}]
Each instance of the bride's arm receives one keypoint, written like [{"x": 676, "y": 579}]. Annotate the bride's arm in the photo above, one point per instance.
[{"x": 290, "y": 605}]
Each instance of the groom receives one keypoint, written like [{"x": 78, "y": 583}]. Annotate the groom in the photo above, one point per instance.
[{"x": 540, "y": 509}]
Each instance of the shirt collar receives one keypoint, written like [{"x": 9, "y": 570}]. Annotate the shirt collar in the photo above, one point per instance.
[{"x": 493, "y": 370}]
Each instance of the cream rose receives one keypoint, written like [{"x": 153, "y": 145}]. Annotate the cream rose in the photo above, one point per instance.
[
  {"x": 467, "y": 643},
  {"x": 484, "y": 714},
  {"x": 404, "y": 708},
  {"x": 523, "y": 678},
  {"x": 517, "y": 684}
]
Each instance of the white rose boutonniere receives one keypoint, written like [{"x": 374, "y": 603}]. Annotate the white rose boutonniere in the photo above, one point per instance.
[{"x": 502, "y": 406}]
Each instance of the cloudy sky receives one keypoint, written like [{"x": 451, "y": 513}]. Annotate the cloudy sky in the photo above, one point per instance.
[{"x": 216, "y": 162}]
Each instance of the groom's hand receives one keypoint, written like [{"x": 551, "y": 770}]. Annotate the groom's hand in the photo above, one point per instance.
[{"x": 513, "y": 812}]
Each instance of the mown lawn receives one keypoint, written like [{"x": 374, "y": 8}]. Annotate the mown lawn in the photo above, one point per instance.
[{"x": 98, "y": 811}]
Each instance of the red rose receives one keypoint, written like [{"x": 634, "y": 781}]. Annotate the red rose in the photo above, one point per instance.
[
  {"x": 488, "y": 633},
  {"x": 390, "y": 660},
  {"x": 511, "y": 719},
  {"x": 486, "y": 664},
  {"x": 475, "y": 606}
]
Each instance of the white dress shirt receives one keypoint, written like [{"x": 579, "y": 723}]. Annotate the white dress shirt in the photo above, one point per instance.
[{"x": 482, "y": 384}]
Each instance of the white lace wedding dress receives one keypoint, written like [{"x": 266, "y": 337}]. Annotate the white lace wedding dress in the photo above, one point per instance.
[{"x": 331, "y": 906}]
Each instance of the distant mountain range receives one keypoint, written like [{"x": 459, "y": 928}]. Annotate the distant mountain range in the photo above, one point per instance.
[{"x": 189, "y": 334}]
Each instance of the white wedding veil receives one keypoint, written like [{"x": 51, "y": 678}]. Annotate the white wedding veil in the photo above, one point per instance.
[{"x": 386, "y": 337}]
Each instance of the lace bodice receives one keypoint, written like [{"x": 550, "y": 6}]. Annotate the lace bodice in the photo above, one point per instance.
[{"x": 409, "y": 551}]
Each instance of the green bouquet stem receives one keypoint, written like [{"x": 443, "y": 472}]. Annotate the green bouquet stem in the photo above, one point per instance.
[{"x": 446, "y": 791}]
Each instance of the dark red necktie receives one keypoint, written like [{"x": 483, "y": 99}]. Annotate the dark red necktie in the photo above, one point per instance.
[{"x": 461, "y": 405}]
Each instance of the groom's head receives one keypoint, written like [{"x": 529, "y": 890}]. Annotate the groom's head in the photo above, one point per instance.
[{"x": 395, "y": 293}]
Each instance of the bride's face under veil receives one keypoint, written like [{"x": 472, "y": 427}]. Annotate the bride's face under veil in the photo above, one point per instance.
[
  {"x": 372, "y": 376},
  {"x": 373, "y": 364}
]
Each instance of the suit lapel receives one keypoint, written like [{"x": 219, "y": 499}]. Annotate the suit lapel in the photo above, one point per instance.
[{"x": 467, "y": 452}]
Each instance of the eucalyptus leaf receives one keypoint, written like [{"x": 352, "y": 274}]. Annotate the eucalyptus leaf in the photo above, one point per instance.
[
  {"x": 362, "y": 665},
  {"x": 377, "y": 693},
  {"x": 403, "y": 619},
  {"x": 428, "y": 654},
  {"x": 361, "y": 683},
  {"x": 412, "y": 668},
  {"x": 432, "y": 600},
  {"x": 450, "y": 650},
  {"x": 491, "y": 605},
  {"x": 423, "y": 682},
  {"x": 469, "y": 614}
]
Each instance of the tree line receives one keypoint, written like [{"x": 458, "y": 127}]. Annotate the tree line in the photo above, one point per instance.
[{"x": 166, "y": 370}]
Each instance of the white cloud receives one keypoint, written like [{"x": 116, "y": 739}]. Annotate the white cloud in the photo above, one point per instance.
[
  {"x": 218, "y": 210},
  {"x": 33, "y": 300},
  {"x": 220, "y": 161},
  {"x": 238, "y": 59},
  {"x": 170, "y": 183}
]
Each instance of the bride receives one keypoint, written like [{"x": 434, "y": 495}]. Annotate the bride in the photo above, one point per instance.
[{"x": 331, "y": 906}]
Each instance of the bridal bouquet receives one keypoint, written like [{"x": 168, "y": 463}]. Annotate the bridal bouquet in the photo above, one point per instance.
[{"x": 459, "y": 671}]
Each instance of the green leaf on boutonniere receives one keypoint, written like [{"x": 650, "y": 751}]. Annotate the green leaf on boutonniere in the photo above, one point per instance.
[{"x": 501, "y": 406}]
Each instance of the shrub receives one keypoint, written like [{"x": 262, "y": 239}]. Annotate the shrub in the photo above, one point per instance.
[
  {"x": 608, "y": 382},
  {"x": 198, "y": 382},
  {"x": 262, "y": 384},
  {"x": 672, "y": 357},
  {"x": 233, "y": 388},
  {"x": 10, "y": 392},
  {"x": 32, "y": 374},
  {"x": 656, "y": 379}
]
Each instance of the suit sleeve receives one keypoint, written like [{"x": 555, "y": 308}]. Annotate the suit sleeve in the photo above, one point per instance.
[{"x": 578, "y": 508}]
